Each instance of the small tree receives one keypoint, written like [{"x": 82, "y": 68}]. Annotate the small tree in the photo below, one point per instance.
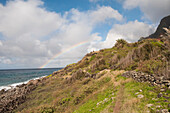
[{"x": 121, "y": 43}]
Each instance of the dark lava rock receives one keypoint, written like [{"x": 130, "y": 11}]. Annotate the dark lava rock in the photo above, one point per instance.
[
  {"x": 12, "y": 98},
  {"x": 165, "y": 23},
  {"x": 144, "y": 77}
]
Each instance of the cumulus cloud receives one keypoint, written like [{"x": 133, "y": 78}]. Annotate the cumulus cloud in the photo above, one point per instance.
[
  {"x": 104, "y": 13},
  {"x": 153, "y": 10},
  {"x": 19, "y": 18},
  {"x": 130, "y": 31},
  {"x": 32, "y": 35}
]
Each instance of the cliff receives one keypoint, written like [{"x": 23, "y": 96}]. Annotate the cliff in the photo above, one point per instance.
[
  {"x": 165, "y": 23},
  {"x": 161, "y": 30}
]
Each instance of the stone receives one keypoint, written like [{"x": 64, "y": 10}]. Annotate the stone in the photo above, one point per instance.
[
  {"x": 140, "y": 96},
  {"x": 158, "y": 106},
  {"x": 112, "y": 98},
  {"x": 162, "y": 85},
  {"x": 154, "y": 99},
  {"x": 149, "y": 105},
  {"x": 98, "y": 104},
  {"x": 10, "y": 99},
  {"x": 159, "y": 95},
  {"x": 157, "y": 111},
  {"x": 136, "y": 93},
  {"x": 164, "y": 111},
  {"x": 166, "y": 97},
  {"x": 140, "y": 90},
  {"x": 105, "y": 100},
  {"x": 2, "y": 91},
  {"x": 155, "y": 80},
  {"x": 166, "y": 101},
  {"x": 165, "y": 81},
  {"x": 162, "y": 90}
]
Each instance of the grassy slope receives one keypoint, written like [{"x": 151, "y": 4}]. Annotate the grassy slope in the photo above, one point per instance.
[
  {"x": 96, "y": 96},
  {"x": 110, "y": 92}
]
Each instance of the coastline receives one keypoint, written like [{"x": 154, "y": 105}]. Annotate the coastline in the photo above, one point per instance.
[
  {"x": 14, "y": 85},
  {"x": 11, "y": 98}
]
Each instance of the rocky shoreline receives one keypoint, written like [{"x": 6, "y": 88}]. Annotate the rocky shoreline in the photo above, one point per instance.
[{"x": 12, "y": 98}]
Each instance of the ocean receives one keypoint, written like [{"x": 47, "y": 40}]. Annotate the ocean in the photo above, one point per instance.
[{"x": 12, "y": 77}]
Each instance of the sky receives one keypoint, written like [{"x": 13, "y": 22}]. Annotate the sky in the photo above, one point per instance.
[{"x": 55, "y": 33}]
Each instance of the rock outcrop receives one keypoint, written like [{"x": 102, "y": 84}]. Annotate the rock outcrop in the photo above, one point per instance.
[
  {"x": 12, "y": 98},
  {"x": 165, "y": 23},
  {"x": 151, "y": 78},
  {"x": 161, "y": 29}
]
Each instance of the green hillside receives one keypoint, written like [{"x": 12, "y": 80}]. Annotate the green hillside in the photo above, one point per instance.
[{"x": 95, "y": 84}]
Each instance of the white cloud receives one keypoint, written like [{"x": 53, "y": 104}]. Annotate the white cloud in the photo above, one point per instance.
[
  {"x": 130, "y": 31},
  {"x": 94, "y": 1},
  {"x": 1, "y": 44},
  {"x": 23, "y": 19},
  {"x": 32, "y": 35},
  {"x": 104, "y": 13},
  {"x": 5, "y": 60},
  {"x": 101, "y": 15},
  {"x": 153, "y": 10}
]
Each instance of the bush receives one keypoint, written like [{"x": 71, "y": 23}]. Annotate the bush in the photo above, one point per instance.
[
  {"x": 121, "y": 43},
  {"x": 47, "y": 110}
]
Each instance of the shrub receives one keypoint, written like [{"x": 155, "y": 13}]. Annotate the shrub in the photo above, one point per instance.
[
  {"x": 47, "y": 110},
  {"x": 121, "y": 43}
]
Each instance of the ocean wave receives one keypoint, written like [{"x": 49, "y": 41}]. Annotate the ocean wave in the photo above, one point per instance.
[{"x": 11, "y": 86}]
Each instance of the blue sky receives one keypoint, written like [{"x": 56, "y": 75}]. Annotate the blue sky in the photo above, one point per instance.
[
  {"x": 61, "y": 6},
  {"x": 34, "y": 31}
]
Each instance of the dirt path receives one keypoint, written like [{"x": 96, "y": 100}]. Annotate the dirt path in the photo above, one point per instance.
[{"x": 119, "y": 99}]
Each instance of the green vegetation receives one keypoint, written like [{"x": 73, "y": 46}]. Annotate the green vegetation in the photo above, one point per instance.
[
  {"x": 95, "y": 84},
  {"x": 98, "y": 102},
  {"x": 93, "y": 57},
  {"x": 150, "y": 66},
  {"x": 49, "y": 76},
  {"x": 157, "y": 43},
  {"x": 133, "y": 89}
]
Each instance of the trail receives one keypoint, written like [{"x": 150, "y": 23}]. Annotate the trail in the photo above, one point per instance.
[{"x": 119, "y": 99}]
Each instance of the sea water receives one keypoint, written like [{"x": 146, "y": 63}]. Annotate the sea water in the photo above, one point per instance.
[{"x": 12, "y": 77}]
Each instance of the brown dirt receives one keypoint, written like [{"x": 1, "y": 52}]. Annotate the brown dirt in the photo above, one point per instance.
[{"x": 119, "y": 99}]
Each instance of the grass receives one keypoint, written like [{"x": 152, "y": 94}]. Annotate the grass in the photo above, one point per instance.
[
  {"x": 150, "y": 97},
  {"x": 98, "y": 102},
  {"x": 94, "y": 95},
  {"x": 92, "y": 58},
  {"x": 157, "y": 43}
]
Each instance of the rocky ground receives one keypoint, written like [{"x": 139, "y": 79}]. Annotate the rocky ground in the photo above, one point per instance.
[
  {"x": 160, "y": 81},
  {"x": 12, "y": 98}
]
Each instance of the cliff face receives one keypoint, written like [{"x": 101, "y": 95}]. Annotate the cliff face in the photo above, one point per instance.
[
  {"x": 165, "y": 23},
  {"x": 98, "y": 82}
]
